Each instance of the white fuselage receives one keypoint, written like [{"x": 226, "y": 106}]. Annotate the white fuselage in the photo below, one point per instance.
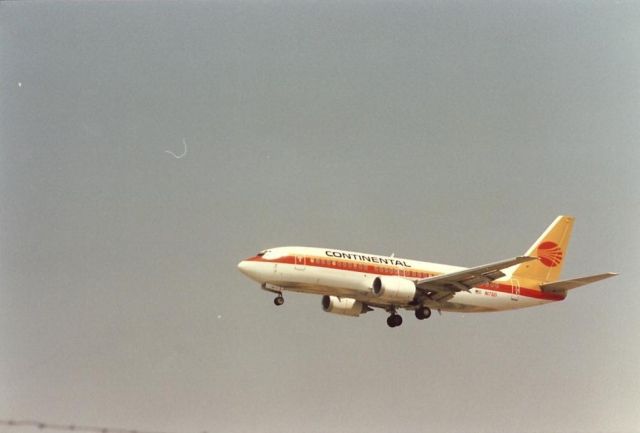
[{"x": 349, "y": 274}]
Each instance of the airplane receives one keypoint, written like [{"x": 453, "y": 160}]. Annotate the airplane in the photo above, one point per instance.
[{"x": 353, "y": 283}]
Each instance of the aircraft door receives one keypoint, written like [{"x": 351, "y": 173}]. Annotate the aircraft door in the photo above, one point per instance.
[
  {"x": 515, "y": 290},
  {"x": 300, "y": 262}
]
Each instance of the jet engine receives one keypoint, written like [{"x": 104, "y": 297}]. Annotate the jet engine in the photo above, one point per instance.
[
  {"x": 393, "y": 289},
  {"x": 344, "y": 306}
]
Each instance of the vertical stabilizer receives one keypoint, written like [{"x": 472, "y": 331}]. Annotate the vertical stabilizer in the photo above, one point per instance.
[{"x": 550, "y": 249}]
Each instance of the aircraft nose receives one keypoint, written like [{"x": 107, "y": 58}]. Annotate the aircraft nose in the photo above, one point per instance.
[
  {"x": 250, "y": 269},
  {"x": 247, "y": 268},
  {"x": 243, "y": 266}
]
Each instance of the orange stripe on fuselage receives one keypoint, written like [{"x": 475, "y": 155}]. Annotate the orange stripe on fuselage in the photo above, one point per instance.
[{"x": 366, "y": 267}]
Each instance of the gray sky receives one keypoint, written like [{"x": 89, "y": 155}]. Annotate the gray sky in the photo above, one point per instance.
[{"x": 451, "y": 132}]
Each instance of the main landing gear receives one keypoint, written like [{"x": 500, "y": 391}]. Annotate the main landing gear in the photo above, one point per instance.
[
  {"x": 279, "y": 300},
  {"x": 394, "y": 320},
  {"x": 423, "y": 313}
]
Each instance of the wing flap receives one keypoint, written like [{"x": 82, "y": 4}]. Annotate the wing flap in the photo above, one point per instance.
[
  {"x": 467, "y": 278},
  {"x": 563, "y": 286}
]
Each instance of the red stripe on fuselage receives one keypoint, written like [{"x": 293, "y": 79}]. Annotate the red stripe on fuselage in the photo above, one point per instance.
[{"x": 368, "y": 268}]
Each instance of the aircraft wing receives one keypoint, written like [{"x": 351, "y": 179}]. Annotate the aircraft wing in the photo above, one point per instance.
[
  {"x": 563, "y": 286},
  {"x": 468, "y": 278}
]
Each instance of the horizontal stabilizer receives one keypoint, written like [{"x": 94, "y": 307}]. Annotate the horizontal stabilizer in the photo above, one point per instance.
[{"x": 563, "y": 286}]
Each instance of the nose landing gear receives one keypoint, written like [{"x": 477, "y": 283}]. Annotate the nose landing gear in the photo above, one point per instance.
[{"x": 279, "y": 300}]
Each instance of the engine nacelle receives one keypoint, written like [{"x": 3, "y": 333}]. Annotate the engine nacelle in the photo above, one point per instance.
[
  {"x": 344, "y": 306},
  {"x": 393, "y": 289}
]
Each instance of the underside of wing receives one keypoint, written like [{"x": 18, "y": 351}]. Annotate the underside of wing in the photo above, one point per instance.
[
  {"x": 563, "y": 286},
  {"x": 464, "y": 280}
]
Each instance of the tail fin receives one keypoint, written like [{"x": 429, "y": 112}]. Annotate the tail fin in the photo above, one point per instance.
[{"x": 550, "y": 249}]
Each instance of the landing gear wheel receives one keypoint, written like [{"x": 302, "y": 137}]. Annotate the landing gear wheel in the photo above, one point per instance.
[
  {"x": 390, "y": 322},
  {"x": 398, "y": 320},
  {"x": 279, "y": 300},
  {"x": 423, "y": 313},
  {"x": 394, "y": 320}
]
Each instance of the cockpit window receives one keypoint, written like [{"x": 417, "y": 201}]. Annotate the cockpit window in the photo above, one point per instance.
[{"x": 271, "y": 254}]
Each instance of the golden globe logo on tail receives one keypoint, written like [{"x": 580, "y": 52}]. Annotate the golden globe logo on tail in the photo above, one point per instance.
[{"x": 550, "y": 254}]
